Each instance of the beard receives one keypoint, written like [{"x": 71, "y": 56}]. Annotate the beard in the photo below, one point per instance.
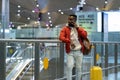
[{"x": 70, "y": 24}]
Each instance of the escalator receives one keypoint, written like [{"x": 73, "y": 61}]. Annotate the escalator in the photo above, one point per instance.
[
  {"x": 24, "y": 70},
  {"x": 13, "y": 75},
  {"x": 19, "y": 64},
  {"x": 22, "y": 64},
  {"x": 12, "y": 61},
  {"x": 28, "y": 72}
]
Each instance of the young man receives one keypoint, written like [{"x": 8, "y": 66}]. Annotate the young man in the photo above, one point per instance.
[{"x": 73, "y": 36}]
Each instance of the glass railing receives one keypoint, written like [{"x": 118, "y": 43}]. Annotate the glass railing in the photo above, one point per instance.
[
  {"x": 18, "y": 57},
  {"x": 43, "y": 33},
  {"x": 28, "y": 62},
  {"x": 109, "y": 58}
]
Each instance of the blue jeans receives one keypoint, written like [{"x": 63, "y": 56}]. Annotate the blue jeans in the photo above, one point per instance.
[{"x": 74, "y": 57}]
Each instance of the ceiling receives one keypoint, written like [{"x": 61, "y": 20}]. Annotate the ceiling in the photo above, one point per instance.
[{"x": 53, "y": 6}]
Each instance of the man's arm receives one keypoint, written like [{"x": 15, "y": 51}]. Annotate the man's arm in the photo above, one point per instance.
[
  {"x": 82, "y": 33},
  {"x": 63, "y": 37}
]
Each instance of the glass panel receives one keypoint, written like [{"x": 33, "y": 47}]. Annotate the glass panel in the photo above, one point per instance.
[
  {"x": 0, "y": 25},
  {"x": 33, "y": 32},
  {"x": 112, "y": 75},
  {"x": 51, "y": 51},
  {"x": 19, "y": 60},
  {"x": 119, "y": 57},
  {"x": 111, "y": 53}
]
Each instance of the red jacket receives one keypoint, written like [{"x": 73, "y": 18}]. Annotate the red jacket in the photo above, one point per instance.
[{"x": 65, "y": 37}]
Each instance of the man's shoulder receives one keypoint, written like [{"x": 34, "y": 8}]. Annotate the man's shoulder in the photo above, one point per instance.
[
  {"x": 65, "y": 27},
  {"x": 81, "y": 28}
]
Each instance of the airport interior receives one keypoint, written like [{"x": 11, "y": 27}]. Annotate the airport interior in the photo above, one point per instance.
[{"x": 29, "y": 38}]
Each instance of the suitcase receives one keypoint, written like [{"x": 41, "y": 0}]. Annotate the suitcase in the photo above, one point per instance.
[{"x": 95, "y": 73}]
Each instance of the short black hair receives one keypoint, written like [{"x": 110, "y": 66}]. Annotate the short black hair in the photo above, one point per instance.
[{"x": 75, "y": 16}]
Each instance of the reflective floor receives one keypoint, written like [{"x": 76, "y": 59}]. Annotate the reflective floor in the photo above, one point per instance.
[{"x": 113, "y": 76}]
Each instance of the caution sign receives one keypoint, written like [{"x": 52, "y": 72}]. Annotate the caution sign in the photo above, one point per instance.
[
  {"x": 97, "y": 57},
  {"x": 11, "y": 51},
  {"x": 45, "y": 63}
]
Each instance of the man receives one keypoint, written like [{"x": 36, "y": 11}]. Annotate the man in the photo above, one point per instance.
[{"x": 73, "y": 36}]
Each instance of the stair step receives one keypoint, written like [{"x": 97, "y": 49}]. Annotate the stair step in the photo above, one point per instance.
[
  {"x": 27, "y": 78},
  {"x": 28, "y": 73}
]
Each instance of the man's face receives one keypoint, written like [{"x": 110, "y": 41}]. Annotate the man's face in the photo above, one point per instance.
[{"x": 71, "y": 21}]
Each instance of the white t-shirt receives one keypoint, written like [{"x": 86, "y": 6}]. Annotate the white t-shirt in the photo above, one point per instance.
[{"x": 74, "y": 39}]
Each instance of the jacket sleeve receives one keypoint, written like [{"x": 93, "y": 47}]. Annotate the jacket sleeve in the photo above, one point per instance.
[
  {"x": 82, "y": 33},
  {"x": 63, "y": 36}
]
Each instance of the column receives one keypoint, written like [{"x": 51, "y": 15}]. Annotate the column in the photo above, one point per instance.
[{"x": 5, "y": 16}]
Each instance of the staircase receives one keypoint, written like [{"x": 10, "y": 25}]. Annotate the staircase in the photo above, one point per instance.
[{"x": 27, "y": 73}]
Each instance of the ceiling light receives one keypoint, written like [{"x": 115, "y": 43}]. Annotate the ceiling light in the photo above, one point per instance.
[
  {"x": 97, "y": 8},
  {"x": 33, "y": 11},
  {"x": 71, "y": 8},
  {"x": 62, "y": 12},
  {"x": 19, "y": 6},
  {"x": 13, "y": 25},
  {"x": 51, "y": 25},
  {"x": 25, "y": 25},
  {"x": 37, "y": 5},
  {"x": 106, "y": 2},
  {"x": 49, "y": 17},
  {"x": 47, "y": 25},
  {"x": 59, "y": 10},
  {"x": 19, "y": 27},
  {"x": 84, "y": 3},
  {"x": 56, "y": 26},
  {"x": 48, "y": 13},
  {"x": 18, "y": 14},
  {"x": 18, "y": 10},
  {"x": 35, "y": 22},
  {"x": 28, "y": 18},
  {"x": 50, "y": 21}
]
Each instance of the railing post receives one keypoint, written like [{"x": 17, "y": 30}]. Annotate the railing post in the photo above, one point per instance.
[
  {"x": 94, "y": 55},
  {"x": 106, "y": 60},
  {"x": 116, "y": 60},
  {"x": 37, "y": 61},
  {"x": 2, "y": 61},
  {"x": 61, "y": 60}
]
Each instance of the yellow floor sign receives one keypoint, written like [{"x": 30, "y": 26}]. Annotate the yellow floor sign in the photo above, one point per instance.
[
  {"x": 45, "y": 63},
  {"x": 97, "y": 57}
]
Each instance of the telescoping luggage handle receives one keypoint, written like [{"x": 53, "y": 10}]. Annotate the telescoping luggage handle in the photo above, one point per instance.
[
  {"x": 95, "y": 70},
  {"x": 94, "y": 57}
]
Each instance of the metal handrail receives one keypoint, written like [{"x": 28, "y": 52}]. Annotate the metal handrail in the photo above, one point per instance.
[
  {"x": 30, "y": 40},
  {"x": 30, "y": 64},
  {"x": 52, "y": 41}
]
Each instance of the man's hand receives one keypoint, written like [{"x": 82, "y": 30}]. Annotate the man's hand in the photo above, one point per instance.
[
  {"x": 86, "y": 44},
  {"x": 72, "y": 46}
]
